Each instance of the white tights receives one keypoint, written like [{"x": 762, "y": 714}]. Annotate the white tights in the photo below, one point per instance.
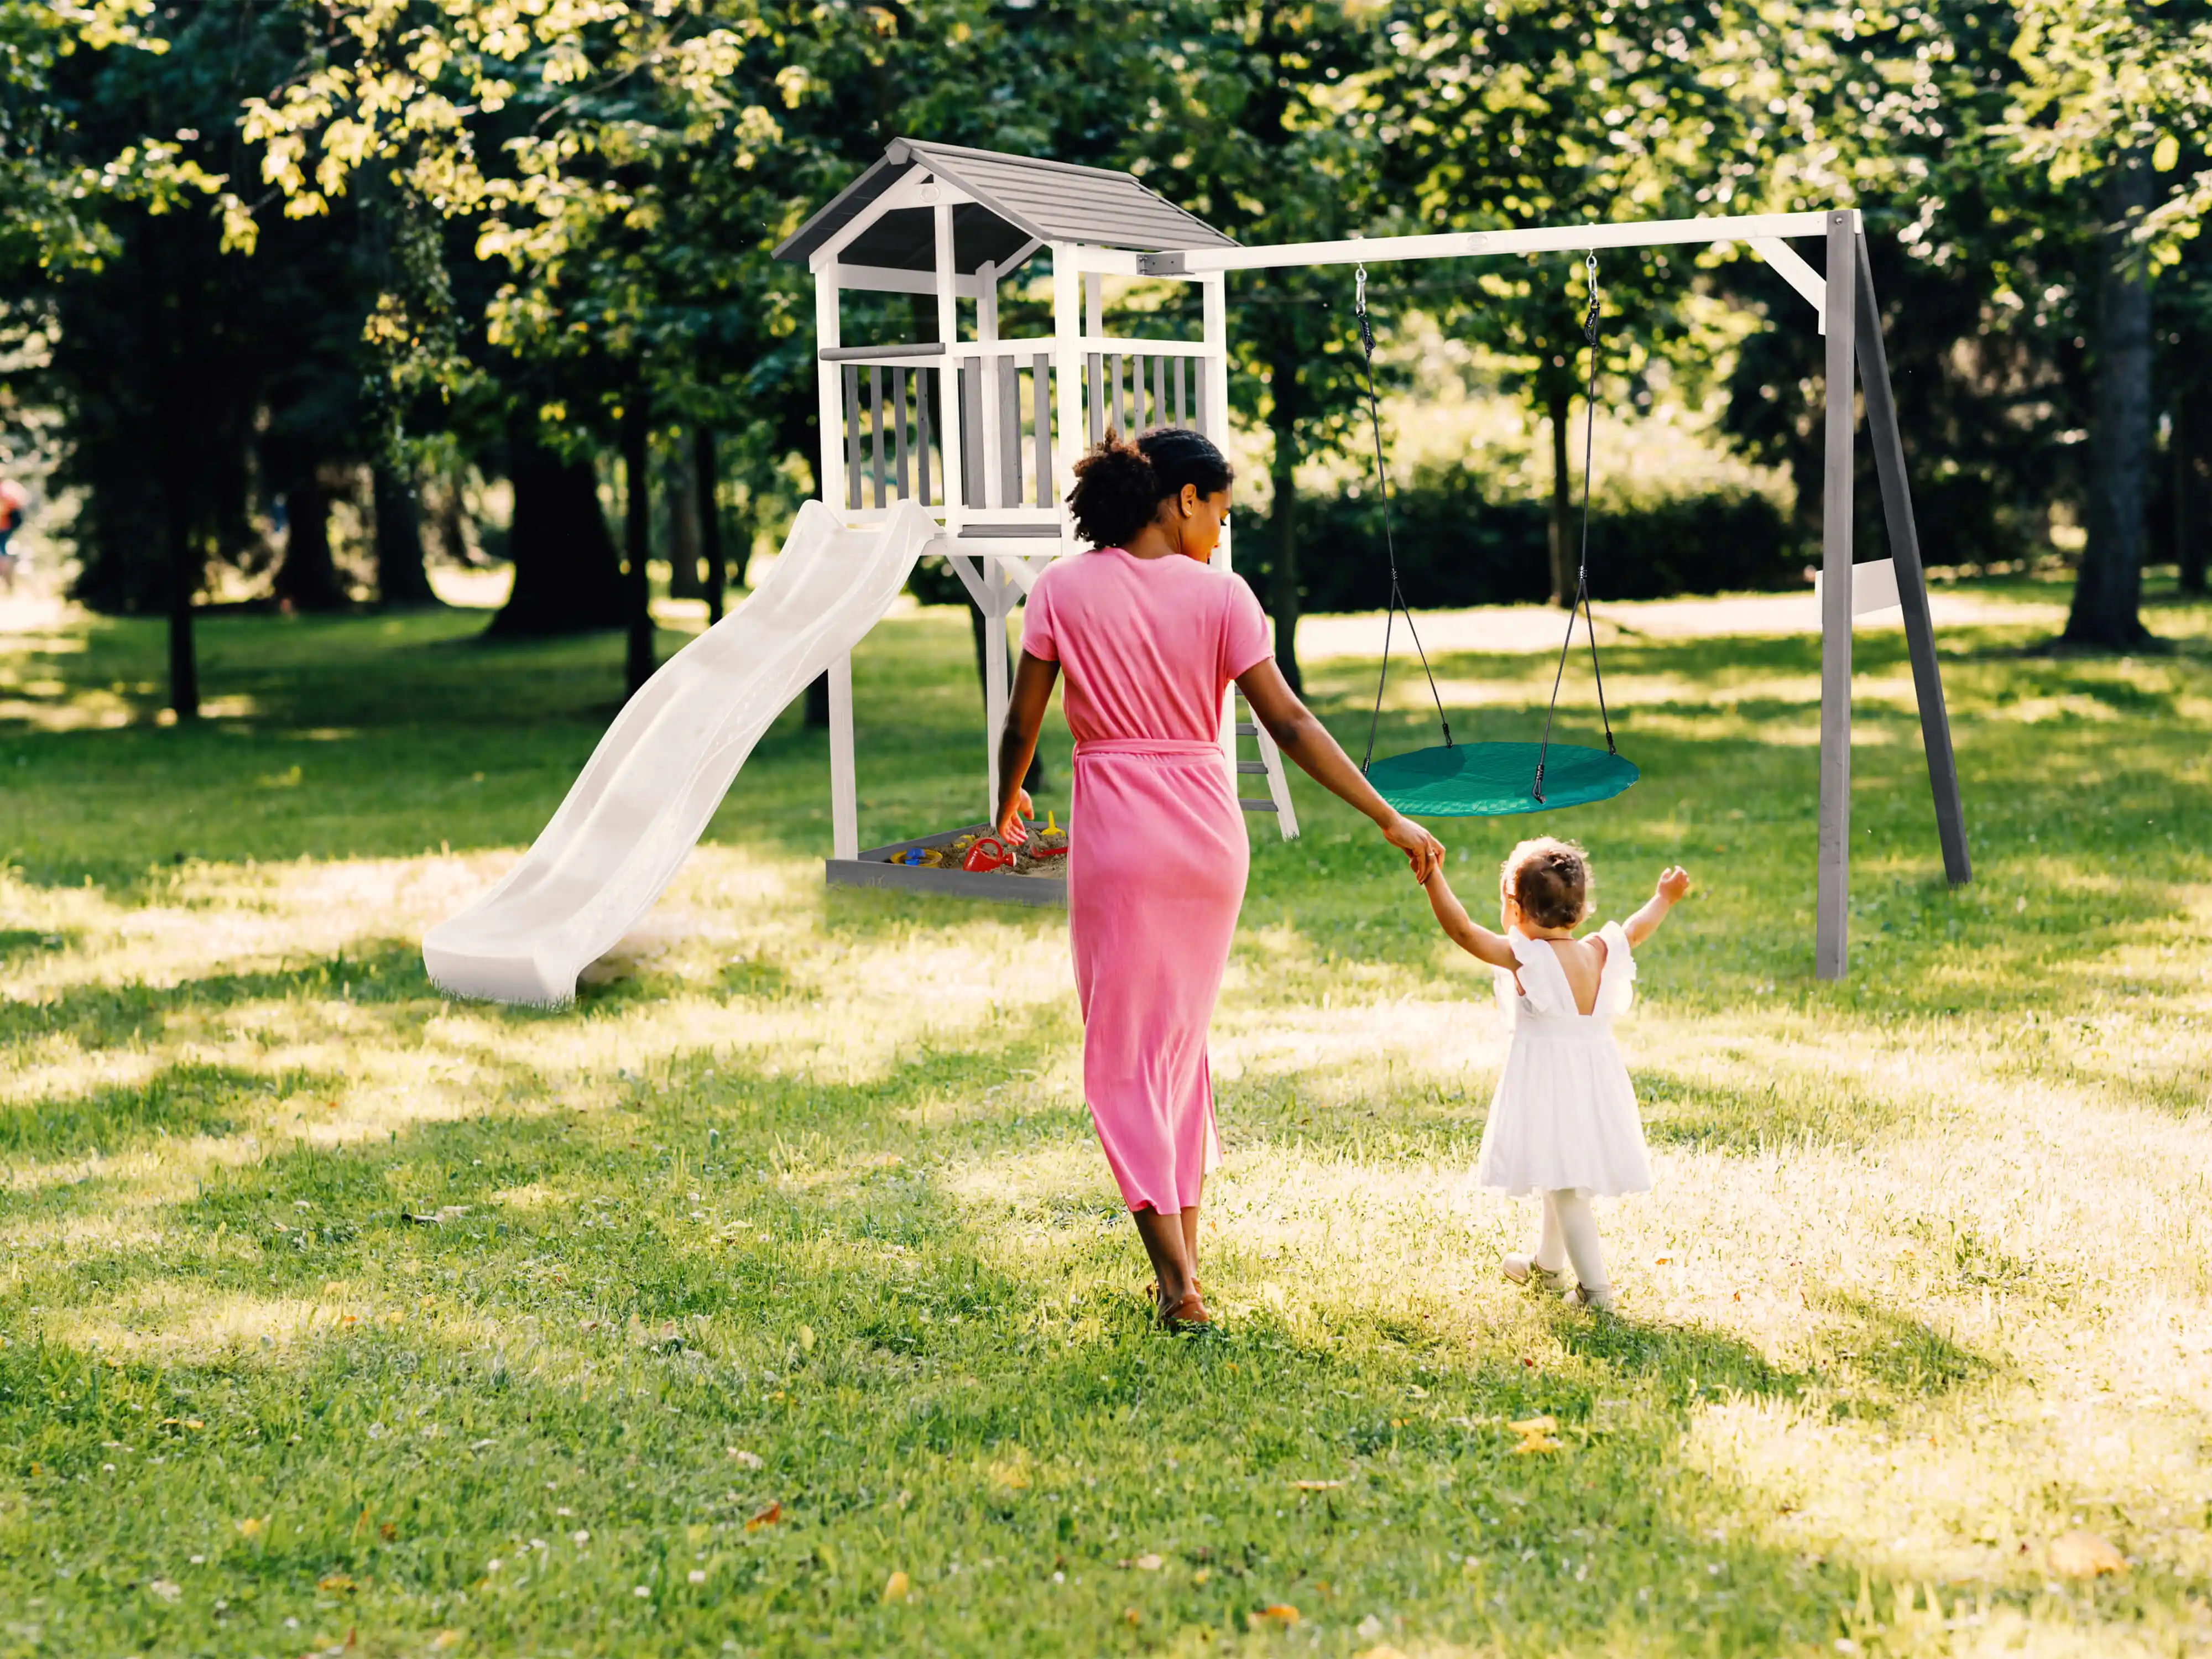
[{"x": 1569, "y": 1233}]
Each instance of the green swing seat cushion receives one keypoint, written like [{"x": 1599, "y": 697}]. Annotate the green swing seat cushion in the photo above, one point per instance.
[{"x": 1491, "y": 780}]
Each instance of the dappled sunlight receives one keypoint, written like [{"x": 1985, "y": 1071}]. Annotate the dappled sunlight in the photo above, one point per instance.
[{"x": 804, "y": 1177}]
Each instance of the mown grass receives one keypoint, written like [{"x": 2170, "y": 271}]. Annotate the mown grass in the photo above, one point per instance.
[{"x": 682, "y": 1321}]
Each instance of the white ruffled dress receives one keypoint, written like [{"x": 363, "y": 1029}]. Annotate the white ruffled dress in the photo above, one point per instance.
[{"x": 1565, "y": 1114}]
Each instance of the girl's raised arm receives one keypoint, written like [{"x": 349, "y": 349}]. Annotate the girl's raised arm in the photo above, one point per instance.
[
  {"x": 1470, "y": 935},
  {"x": 1674, "y": 882}
]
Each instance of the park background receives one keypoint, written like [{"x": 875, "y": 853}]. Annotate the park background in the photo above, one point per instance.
[{"x": 774, "y": 1298}]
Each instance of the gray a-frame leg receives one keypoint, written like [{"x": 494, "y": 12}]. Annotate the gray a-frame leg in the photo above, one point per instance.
[
  {"x": 1912, "y": 578},
  {"x": 1855, "y": 341},
  {"x": 1832, "y": 893}
]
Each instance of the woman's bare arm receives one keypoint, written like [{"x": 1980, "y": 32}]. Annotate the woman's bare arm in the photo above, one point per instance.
[
  {"x": 1034, "y": 678},
  {"x": 1307, "y": 741},
  {"x": 1470, "y": 935}
]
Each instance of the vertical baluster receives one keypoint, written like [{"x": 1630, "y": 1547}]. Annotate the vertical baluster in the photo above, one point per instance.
[
  {"x": 1159, "y": 391},
  {"x": 1094, "y": 386},
  {"x": 876, "y": 426},
  {"x": 899, "y": 377},
  {"x": 1198, "y": 396},
  {"x": 1041, "y": 402},
  {"x": 1121, "y": 411},
  {"x": 922, "y": 433},
  {"x": 1179, "y": 363},
  {"x": 852, "y": 435},
  {"x": 970, "y": 383},
  {"x": 1010, "y": 431}
]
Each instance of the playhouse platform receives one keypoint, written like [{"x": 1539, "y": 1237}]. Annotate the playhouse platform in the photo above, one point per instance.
[{"x": 874, "y": 868}]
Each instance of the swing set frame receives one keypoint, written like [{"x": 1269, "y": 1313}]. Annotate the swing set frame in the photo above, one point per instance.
[{"x": 1844, "y": 302}]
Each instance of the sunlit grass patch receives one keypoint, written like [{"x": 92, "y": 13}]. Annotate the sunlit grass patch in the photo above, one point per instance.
[{"x": 784, "y": 1267}]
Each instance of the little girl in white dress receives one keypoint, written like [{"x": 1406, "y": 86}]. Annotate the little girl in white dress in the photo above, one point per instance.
[{"x": 1564, "y": 1124}]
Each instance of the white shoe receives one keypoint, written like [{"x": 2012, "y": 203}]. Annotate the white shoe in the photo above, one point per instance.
[
  {"x": 1580, "y": 1296},
  {"x": 1520, "y": 1267}
]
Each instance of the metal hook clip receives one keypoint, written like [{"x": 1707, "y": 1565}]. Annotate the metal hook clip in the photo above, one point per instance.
[{"x": 1359, "y": 291}]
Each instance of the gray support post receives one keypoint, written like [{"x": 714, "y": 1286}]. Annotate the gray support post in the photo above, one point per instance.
[
  {"x": 1832, "y": 904},
  {"x": 1911, "y": 580}
]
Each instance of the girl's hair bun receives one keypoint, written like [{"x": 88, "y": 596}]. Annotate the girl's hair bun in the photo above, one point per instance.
[
  {"x": 1119, "y": 484},
  {"x": 1550, "y": 879}
]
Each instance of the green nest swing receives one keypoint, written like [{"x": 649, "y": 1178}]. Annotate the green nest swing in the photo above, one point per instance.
[{"x": 1491, "y": 780}]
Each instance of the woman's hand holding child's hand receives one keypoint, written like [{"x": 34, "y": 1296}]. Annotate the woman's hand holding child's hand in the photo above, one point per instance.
[
  {"x": 1423, "y": 851},
  {"x": 1010, "y": 826}
]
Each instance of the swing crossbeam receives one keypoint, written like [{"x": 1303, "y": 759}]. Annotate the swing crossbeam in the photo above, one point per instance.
[{"x": 1461, "y": 245}]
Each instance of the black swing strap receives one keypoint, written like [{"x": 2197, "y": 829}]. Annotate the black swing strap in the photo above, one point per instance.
[
  {"x": 1389, "y": 548},
  {"x": 1582, "y": 572}
]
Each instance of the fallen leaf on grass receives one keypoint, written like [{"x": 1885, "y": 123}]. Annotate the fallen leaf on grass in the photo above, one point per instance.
[
  {"x": 2085, "y": 1555},
  {"x": 252, "y": 1526},
  {"x": 446, "y": 1638},
  {"x": 334, "y": 1581},
  {"x": 1129, "y": 1615},
  {"x": 1535, "y": 1426},
  {"x": 1315, "y": 1486},
  {"x": 750, "y": 1460},
  {"x": 1278, "y": 1614},
  {"x": 896, "y": 1586},
  {"x": 1143, "y": 1562},
  {"x": 1535, "y": 1442},
  {"x": 767, "y": 1517}
]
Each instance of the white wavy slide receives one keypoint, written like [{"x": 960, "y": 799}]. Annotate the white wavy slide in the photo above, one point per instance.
[{"x": 646, "y": 794}]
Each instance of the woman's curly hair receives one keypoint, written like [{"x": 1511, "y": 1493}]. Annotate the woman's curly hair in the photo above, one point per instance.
[
  {"x": 1119, "y": 485},
  {"x": 1551, "y": 881}
]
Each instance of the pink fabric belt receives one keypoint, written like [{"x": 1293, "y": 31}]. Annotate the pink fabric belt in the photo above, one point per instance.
[{"x": 1167, "y": 748}]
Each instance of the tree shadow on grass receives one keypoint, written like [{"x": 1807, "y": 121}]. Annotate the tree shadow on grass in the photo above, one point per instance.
[
  {"x": 1700, "y": 1116},
  {"x": 736, "y": 1325},
  {"x": 190, "y": 1099},
  {"x": 95, "y": 1016}
]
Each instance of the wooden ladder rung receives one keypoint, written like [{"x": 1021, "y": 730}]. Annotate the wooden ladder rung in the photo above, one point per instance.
[
  {"x": 1257, "y": 767},
  {"x": 1247, "y": 729},
  {"x": 1252, "y": 806}
]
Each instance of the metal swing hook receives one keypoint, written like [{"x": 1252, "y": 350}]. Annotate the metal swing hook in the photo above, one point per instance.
[
  {"x": 1360, "y": 310},
  {"x": 1590, "y": 318}
]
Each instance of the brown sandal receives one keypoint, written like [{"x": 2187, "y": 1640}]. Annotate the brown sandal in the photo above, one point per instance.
[{"x": 1189, "y": 1315}]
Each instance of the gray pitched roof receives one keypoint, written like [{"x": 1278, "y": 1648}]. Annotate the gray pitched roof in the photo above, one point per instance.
[{"x": 1018, "y": 199}]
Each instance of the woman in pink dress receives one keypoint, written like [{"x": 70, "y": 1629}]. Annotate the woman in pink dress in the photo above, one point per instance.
[{"x": 1150, "y": 638}]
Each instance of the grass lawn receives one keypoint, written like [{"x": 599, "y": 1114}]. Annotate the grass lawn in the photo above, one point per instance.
[{"x": 777, "y": 1299}]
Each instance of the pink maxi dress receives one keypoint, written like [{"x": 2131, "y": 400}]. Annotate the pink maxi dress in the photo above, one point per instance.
[{"x": 1156, "y": 855}]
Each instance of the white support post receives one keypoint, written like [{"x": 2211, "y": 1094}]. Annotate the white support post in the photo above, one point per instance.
[
  {"x": 1068, "y": 383},
  {"x": 948, "y": 381},
  {"x": 987, "y": 367},
  {"x": 1094, "y": 304},
  {"x": 844, "y": 786},
  {"x": 1832, "y": 919},
  {"x": 995, "y": 670},
  {"x": 830, "y": 391},
  {"x": 1213, "y": 305}
]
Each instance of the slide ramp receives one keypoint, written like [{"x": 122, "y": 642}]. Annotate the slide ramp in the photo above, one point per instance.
[{"x": 645, "y": 796}]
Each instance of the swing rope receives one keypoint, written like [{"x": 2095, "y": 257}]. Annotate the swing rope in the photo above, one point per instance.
[
  {"x": 1582, "y": 572},
  {"x": 1389, "y": 548}
]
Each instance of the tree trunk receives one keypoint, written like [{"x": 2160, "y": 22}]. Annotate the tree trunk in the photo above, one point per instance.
[
  {"x": 1283, "y": 517},
  {"x": 307, "y": 579},
  {"x": 637, "y": 542},
  {"x": 2188, "y": 512},
  {"x": 681, "y": 492},
  {"x": 706, "y": 474},
  {"x": 1557, "y": 406},
  {"x": 2108, "y": 593},
  {"x": 401, "y": 579},
  {"x": 185, "y": 570},
  {"x": 566, "y": 577}
]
